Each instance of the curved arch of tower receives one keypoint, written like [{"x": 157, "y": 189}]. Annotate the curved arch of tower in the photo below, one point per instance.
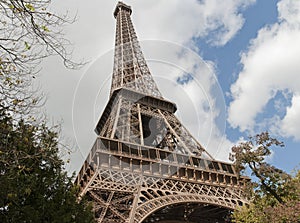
[{"x": 145, "y": 166}]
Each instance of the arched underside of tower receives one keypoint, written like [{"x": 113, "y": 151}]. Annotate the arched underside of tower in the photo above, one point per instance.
[{"x": 192, "y": 212}]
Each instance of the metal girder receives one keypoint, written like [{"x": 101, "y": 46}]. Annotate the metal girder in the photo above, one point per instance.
[
  {"x": 152, "y": 194},
  {"x": 130, "y": 67},
  {"x": 144, "y": 162}
]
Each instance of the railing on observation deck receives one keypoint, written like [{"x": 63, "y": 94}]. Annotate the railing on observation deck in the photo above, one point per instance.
[{"x": 114, "y": 154}]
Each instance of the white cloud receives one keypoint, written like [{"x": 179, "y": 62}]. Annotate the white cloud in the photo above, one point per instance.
[
  {"x": 270, "y": 65},
  {"x": 291, "y": 122},
  {"x": 176, "y": 21},
  {"x": 289, "y": 11}
]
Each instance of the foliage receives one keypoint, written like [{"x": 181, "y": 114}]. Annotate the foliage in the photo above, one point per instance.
[
  {"x": 34, "y": 185},
  {"x": 265, "y": 209},
  {"x": 29, "y": 32},
  {"x": 275, "y": 195}
]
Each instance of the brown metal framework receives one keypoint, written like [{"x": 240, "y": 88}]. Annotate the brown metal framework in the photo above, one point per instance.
[{"x": 145, "y": 166}]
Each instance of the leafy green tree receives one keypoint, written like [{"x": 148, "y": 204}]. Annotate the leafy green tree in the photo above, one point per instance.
[
  {"x": 34, "y": 185},
  {"x": 274, "y": 194}
]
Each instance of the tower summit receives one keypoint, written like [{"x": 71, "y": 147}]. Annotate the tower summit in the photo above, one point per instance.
[{"x": 145, "y": 166}]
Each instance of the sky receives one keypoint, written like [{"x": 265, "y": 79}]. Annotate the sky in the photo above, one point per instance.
[{"x": 231, "y": 66}]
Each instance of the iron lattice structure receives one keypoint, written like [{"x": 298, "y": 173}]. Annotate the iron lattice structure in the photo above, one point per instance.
[{"x": 145, "y": 166}]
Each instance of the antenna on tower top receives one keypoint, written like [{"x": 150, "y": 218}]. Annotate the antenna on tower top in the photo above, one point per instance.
[{"x": 122, "y": 6}]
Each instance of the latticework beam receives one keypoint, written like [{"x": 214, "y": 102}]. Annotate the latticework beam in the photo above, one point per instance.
[{"x": 145, "y": 166}]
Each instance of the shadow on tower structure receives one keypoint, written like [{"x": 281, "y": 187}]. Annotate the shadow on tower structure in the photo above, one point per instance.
[{"x": 145, "y": 166}]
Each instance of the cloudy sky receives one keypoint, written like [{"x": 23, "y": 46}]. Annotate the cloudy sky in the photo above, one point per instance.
[{"x": 231, "y": 66}]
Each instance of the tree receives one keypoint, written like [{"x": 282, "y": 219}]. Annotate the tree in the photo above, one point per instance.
[
  {"x": 29, "y": 32},
  {"x": 34, "y": 185},
  {"x": 274, "y": 194}
]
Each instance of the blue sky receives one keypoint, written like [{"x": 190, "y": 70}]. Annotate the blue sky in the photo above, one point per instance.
[
  {"x": 249, "y": 49},
  {"x": 227, "y": 59}
]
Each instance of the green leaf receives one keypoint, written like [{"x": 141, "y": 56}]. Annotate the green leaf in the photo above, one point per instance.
[
  {"x": 11, "y": 195},
  {"x": 30, "y": 7},
  {"x": 15, "y": 101},
  {"x": 28, "y": 191},
  {"x": 27, "y": 46},
  {"x": 45, "y": 28}
]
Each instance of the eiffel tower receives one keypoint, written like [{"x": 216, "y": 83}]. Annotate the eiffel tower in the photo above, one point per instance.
[{"x": 145, "y": 166}]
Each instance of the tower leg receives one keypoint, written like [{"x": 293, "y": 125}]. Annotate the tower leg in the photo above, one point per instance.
[{"x": 134, "y": 205}]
